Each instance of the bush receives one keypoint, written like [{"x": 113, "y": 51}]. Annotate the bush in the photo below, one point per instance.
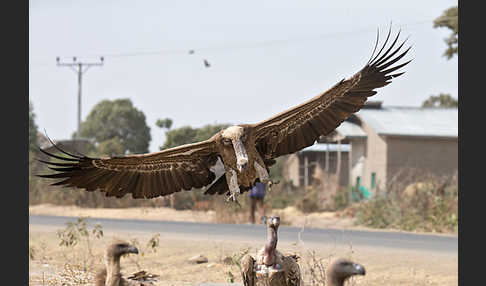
[
  {"x": 309, "y": 201},
  {"x": 430, "y": 204}
]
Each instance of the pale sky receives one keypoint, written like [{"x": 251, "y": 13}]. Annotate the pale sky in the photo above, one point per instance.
[{"x": 265, "y": 56}]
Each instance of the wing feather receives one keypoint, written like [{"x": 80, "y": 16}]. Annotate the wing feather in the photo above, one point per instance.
[
  {"x": 300, "y": 126},
  {"x": 144, "y": 176}
]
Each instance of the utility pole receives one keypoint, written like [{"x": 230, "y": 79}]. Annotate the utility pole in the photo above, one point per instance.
[{"x": 78, "y": 68}]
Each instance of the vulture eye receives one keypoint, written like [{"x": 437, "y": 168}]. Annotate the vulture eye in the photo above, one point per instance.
[{"x": 226, "y": 141}]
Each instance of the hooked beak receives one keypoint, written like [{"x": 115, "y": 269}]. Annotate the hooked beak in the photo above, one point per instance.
[
  {"x": 241, "y": 156},
  {"x": 359, "y": 269},
  {"x": 132, "y": 249}
]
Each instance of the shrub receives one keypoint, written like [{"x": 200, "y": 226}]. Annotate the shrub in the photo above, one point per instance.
[{"x": 429, "y": 204}]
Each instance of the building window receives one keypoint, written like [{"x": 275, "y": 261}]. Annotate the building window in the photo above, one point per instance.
[{"x": 373, "y": 180}]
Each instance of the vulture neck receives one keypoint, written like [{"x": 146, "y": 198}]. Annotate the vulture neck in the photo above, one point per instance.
[
  {"x": 270, "y": 246},
  {"x": 113, "y": 275},
  {"x": 333, "y": 280}
]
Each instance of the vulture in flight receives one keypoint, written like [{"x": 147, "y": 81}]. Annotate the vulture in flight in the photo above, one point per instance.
[
  {"x": 340, "y": 269},
  {"x": 270, "y": 268},
  {"x": 246, "y": 150}
]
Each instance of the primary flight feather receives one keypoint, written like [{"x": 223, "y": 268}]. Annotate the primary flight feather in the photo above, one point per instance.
[{"x": 245, "y": 150}]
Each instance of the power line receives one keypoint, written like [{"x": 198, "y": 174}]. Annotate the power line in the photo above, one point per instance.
[
  {"x": 236, "y": 46},
  {"x": 226, "y": 47}
]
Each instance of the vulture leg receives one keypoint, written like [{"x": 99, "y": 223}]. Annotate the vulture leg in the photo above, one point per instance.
[
  {"x": 247, "y": 270},
  {"x": 232, "y": 179},
  {"x": 262, "y": 173}
]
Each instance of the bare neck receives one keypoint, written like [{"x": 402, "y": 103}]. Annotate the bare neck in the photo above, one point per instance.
[
  {"x": 113, "y": 275},
  {"x": 332, "y": 280},
  {"x": 270, "y": 246}
]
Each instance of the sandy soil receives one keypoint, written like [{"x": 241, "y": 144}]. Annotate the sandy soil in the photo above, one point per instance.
[{"x": 54, "y": 265}]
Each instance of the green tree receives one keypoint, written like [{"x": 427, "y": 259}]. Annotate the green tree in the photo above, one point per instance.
[
  {"x": 187, "y": 134},
  {"x": 449, "y": 19},
  {"x": 165, "y": 123},
  {"x": 117, "y": 126},
  {"x": 110, "y": 147},
  {"x": 441, "y": 100},
  {"x": 32, "y": 128}
]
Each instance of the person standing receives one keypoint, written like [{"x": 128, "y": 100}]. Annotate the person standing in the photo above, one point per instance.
[{"x": 257, "y": 194}]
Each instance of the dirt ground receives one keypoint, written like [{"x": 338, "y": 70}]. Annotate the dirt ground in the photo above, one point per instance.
[{"x": 51, "y": 264}]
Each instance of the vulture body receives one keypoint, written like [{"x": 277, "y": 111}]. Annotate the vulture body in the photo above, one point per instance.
[
  {"x": 111, "y": 276},
  {"x": 270, "y": 267},
  {"x": 245, "y": 150},
  {"x": 341, "y": 269}
]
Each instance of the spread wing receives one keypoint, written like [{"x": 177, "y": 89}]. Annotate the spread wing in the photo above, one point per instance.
[
  {"x": 144, "y": 176},
  {"x": 301, "y": 126}
]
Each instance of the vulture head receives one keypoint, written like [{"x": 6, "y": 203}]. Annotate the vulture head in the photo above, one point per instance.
[
  {"x": 341, "y": 269},
  {"x": 110, "y": 275},
  {"x": 231, "y": 143},
  {"x": 273, "y": 222},
  {"x": 120, "y": 248}
]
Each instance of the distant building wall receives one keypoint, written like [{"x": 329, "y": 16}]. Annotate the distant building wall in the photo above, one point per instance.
[
  {"x": 376, "y": 159},
  {"x": 357, "y": 159},
  {"x": 437, "y": 156},
  {"x": 291, "y": 169}
]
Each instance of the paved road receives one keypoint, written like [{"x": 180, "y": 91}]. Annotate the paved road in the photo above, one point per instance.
[{"x": 397, "y": 240}]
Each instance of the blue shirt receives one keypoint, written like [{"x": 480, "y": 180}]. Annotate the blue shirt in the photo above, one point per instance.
[{"x": 258, "y": 190}]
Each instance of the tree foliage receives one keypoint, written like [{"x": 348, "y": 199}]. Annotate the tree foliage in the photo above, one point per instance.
[
  {"x": 117, "y": 126},
  {"x": 442, "y": 100},
  {"x": 187, "y": 134},
  {"x": 165, "y": 123},
  {"x": 449, "y": 19},
  {"x": 32, "y": 128}
]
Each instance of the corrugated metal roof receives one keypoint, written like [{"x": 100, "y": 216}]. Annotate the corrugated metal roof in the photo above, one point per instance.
[
  {"x": 411, "y": 121},
  {"x": 350, "y": 130},
  {"x": 319, "y": 147}
]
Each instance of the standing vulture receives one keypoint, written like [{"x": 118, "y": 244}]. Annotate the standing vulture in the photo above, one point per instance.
[
  {"x": 245, "y": 150},
  {"x": 270, "y": 268}
]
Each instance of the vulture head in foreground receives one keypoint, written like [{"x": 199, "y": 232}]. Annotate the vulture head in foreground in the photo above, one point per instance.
[
  {"x": 246, "y": 150},
  {"x": 271, "y": 267},
  {"x": 340, "y": 269},
  {"x": 111, "y": 276}
]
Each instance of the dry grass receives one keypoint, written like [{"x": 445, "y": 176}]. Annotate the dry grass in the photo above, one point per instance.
[
  {"x": 50, "y": 264},
  {"x": 413, "y": 201}
]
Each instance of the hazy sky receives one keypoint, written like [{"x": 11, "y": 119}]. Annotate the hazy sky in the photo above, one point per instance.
[{"x": 265, "y": 56}]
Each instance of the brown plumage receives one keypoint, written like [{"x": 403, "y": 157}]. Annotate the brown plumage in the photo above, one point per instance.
[
  {"x": 111, "y": 276},
  {"x": 245, "y": 150},
  {"x": 340, "y": 269},
  {"x": 270, "y": 267}
]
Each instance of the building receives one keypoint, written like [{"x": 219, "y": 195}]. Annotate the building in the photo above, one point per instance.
[
  {"x": 385, "y": 140},
  {"x": 303, "y": 167}
]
